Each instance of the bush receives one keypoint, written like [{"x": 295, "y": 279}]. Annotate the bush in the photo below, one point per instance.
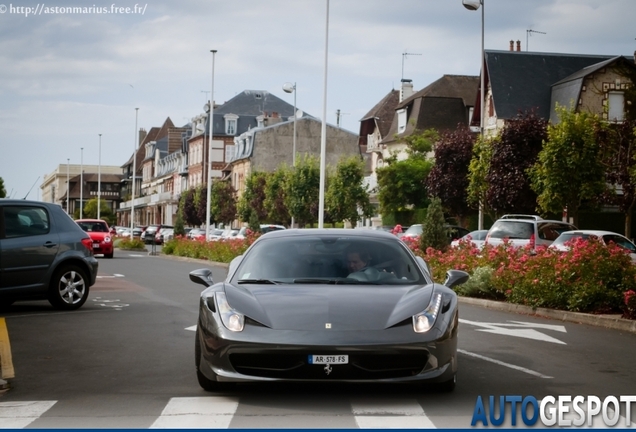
[
  {"x": 590, "y": 277},
  {"x": 131, "y": 244}
]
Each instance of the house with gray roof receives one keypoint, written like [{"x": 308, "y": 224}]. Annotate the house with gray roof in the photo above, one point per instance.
[{"x": 518, "y": 81}]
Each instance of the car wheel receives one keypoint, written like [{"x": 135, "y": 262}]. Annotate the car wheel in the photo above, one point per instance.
[
  {"x": 6, "y": 304},
  {"x": 447, "y": 386},
  {"x": 110, "y": 255},
  {"x": 69, "y": 288},
  {"x": 205, "y": 383}
]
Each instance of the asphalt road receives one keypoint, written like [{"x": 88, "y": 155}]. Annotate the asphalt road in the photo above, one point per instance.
[{"x": 125, "y": 360}]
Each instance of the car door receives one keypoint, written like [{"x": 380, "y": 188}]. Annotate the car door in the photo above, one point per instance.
[{"x": 28, "y": 246}]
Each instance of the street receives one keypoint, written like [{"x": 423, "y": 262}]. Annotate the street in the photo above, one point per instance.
[{"x": 126, "y": 360}]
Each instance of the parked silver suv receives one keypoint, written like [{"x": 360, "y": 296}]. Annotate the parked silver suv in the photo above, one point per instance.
[
  {"x": 44, "y": 255},
  {"x": 523, "y": 230}
]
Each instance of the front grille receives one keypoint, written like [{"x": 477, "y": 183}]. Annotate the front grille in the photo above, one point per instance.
[{"x": 360, "y": 367}]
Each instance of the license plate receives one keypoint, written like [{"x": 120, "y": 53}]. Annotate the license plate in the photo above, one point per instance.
[
  {"x": 95, "y": 245},
  {"x": 328, "y": 359}
]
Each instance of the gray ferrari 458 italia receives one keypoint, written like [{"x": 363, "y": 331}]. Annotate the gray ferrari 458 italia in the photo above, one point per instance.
[{"x": 336, "y": 305}]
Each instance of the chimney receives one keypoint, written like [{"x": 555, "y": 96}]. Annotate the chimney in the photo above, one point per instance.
[
  {"x": 407, "y": 89},
  {"x": 512, "y": 45},
  {"x": 142, "y": 135},
  {"x": 518, "y": 45}
]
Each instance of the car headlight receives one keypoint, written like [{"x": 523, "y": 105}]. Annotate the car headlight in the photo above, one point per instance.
[
  {"x": 231, "y": 319},
  {"x": 107, "y": 239},
  {"x": 425, "y": 320}
]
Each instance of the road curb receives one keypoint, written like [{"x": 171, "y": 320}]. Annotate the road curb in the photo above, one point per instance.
[
  {"x": 197, "y": 260},
  {"x": 607, "y": 321}
]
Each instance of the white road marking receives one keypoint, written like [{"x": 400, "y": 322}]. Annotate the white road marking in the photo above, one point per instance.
[
  {"x": 114, "y": 275},
  {"x": 18, "y": 415},
  {"x": 210, "y": 412},
  {"x": 389, "y": 413},
  {"x": 136, "y": 255},
  {"x": 508, "y": 365},
  {"x": 191, "y": 328},
  {"x": 524, "y": 332}
]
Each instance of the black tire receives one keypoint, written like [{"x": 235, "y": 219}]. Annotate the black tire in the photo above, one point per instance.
[
  {"x": 6, "y": 304},
  {"x": 205, "y": 383},
  {"x": 110, "y": 255},
  {"x": 69, "y": 288},
  {"x": 447, "y": 386}
]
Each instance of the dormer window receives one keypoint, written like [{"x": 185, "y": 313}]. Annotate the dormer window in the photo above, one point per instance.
[
  {"x": 231, "y": 121},
  {"x": 401, "y": 113}
]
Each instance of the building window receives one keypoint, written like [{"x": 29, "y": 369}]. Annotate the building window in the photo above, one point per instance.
[
  {"x": 616, "y": 108},
  {"x": 401, "y": 120},
  {"x": 230, "y": 124}
]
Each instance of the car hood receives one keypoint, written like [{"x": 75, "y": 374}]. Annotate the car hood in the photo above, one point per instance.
[
  {"x": 345, "y": 307},
  {"x": 99, "y": 236}
]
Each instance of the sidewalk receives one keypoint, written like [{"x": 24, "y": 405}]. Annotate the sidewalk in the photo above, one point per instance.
[{"x": 607, "y": 321}]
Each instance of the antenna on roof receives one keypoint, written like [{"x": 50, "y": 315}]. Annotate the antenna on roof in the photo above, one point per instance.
[
  {"x": 338, "y": 115},
  {"x": 528, "y": 32},
  {"x": 36, "y": 180},
  {"x": 404, "y": 54}
]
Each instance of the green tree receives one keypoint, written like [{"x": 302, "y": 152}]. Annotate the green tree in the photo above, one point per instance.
[
  {"x": 302, "y": 189},
  {"x": 477, "y": 174},
  {"x": 433, "y": 231},
  {"x": 569, "y": 170},
  {"x": 3, "y": 191},
  {"x": 275, "y": 192},
  {"x": 188, "y": 207},
  {"x": 251, "y": 205},
  {"x": 105, "y": 212},
  {"x": 223, "y": 202},
  {"x": 347, "y": 198},
  {"x": 179, "y": 229},
  {"x": 401, "y": 183},
  {"x": 619, "y": 159}
]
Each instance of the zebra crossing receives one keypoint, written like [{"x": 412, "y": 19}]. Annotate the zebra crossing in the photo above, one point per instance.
[{"x": 220, "y": 412}]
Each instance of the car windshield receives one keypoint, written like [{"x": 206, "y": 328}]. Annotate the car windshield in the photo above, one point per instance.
[
  {"x": 328, "y": 259},
  {"x": 511, "y": 230}
]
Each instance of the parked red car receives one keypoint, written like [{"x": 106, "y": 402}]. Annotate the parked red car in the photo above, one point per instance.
[{"x": 99, "y": 233}]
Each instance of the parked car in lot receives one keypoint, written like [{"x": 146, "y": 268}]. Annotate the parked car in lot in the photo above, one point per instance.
[
  {"x": 150, "y": 233},
  {"x": 196, "y": 234},
  {"x": 44, "y": 255},
  {"x": 163, "y": 235},
  {"x": 454, "y": 232},
  {"x": 265, "y": 228},
  {"x": 298, "y": 307},
  {"x": 99, "y": 232},
  {"x": 477, "y": 238},
  {"x": 562, "y": 243},
  {"x": 526, "y": 230}
]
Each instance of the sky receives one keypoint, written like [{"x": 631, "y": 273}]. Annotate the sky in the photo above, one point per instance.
[{"x": 67, "y": 77}]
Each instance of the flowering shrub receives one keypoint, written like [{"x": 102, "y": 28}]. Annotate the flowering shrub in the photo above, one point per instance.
[
  {"x": 218, "y": 251},
  {"x": 630, "y": 304},
  {"x": 589, "y": 277},
  {"x": 130, "y": 244}
]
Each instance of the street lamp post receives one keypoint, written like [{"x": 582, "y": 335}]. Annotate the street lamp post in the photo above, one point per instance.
[
  {"x": 289, "y": 88},
  {"x": 134, "y": 171},
  {"x": 81, "y": 182},
  {"x": 99, "y": 178},
  {"x": 323, "y": 130},
  {"x": 209, "y": 161},
  {"x": 474, "y": 5},
  {"x": 68, "y": 199}
]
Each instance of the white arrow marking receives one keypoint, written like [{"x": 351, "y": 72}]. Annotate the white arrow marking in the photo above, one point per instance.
[
  {"x": 192, "y": 328},
  {"x": 508, "y": 365},
  {"x": 528, "y": 333}
]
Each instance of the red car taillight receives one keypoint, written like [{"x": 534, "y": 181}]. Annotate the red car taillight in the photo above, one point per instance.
[
  {"x": 532, "y": 241},
  {"x": 88, "y": 243}
]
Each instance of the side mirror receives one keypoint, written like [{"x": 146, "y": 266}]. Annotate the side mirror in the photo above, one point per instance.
[
  {"x": 202, "y": 277},
  {"x": 456, "y": 277}
]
